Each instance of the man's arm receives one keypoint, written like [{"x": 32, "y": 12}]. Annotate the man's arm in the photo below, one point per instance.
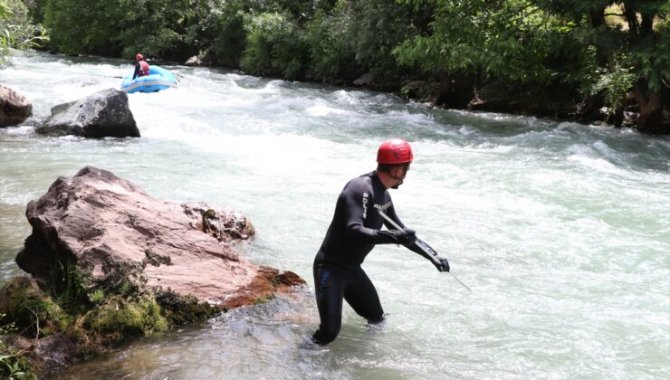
[
  {"x": 423, "y": 249},
  {"x": 357, "y": 203},
  {"x": 415, "y": 245}
]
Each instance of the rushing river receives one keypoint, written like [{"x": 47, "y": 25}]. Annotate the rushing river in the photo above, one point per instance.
[{"x": 561, "y": 230}]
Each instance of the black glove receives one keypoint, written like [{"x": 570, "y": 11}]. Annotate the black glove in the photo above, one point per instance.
[
  {"x": 443, "y": 266},
  {"x": 406, "y": 236}
]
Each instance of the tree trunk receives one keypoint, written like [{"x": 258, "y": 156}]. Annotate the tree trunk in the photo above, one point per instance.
[
  {"x": 597, "y": 17},
  {"x": 651, "y": 112},
  {"x": 650, "y": 102}
]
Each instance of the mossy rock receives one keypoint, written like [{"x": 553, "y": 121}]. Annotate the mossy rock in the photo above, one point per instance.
[
  {"x": 181, "y": 310},
  {"x": 33, "y": 312},
  {"x": 128, "y": 317}
]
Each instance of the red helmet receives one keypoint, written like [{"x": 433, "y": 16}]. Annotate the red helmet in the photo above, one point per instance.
[
  {"x": 139, "y": 57},
  {"x": 394, "y": 151}
]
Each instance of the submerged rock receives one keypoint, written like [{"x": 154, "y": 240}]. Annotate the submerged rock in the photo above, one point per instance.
[{"x": 103, "y": 114}]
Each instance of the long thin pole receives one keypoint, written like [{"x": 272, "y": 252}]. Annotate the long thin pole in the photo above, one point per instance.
[{"x": 431, "y": 253}]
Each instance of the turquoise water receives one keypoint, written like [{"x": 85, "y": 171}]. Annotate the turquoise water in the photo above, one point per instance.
[{"x": 561, "y": 230}]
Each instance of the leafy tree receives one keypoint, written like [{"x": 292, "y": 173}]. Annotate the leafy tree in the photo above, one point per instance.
[
  {"x": 84, "y": 26},
  {"x": 510, "y": 40},
  {"x": 379, "y": 27},
  {"x": 162, "y": 28},
  {"x": 632, "y": 41},
  {"x": 548, "y": 42},
  {"x": 225, "y": 28},
  {"x": 274, "y": 46},
  {"x": 16, "y": 29},
  {"x": 13, "y": 363},
  {"x": 349, "y": 38},
  {"x": 158, "y": 28},
  {"x": 36, "y": 10},
  {"x": 332, "y": 47}
]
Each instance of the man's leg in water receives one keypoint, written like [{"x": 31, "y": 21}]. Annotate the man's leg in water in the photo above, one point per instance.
[
  {"x": 328, "y": 288},
  {"x": 363, "y": 298}
]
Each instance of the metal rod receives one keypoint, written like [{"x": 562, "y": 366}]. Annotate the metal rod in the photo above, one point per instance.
[{"x": 429, "y": 251}]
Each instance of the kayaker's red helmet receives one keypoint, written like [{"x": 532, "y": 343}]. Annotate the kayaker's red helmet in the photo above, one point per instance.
[
  {"x": 139, "y": 57},
  {"x": 395, "y": 152}
]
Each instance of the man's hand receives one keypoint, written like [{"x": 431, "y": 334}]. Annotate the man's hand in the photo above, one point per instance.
[
  {"x": 406, "y": 236},
  {"x": 443, "y": 266}
]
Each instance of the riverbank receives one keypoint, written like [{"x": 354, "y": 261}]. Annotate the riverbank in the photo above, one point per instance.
[{"x": 557, "y": 103}]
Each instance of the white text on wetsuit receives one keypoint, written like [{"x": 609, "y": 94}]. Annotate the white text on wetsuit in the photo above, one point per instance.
[{"x": 365, "y": 205}]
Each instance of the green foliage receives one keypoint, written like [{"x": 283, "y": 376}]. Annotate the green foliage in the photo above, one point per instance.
[
  {"x": 379, "y": 27},
  {"x": 651, "y": 59},
  {"x": 80, "y": 26},
  {"x": 227, "y": 26},
  {"x": 36, "y": 10},
  {"x": 15, "y": 366},
  {"x": 274, "y": 46},
  {"x": 16, "y": 29},
  {"x": 225, "y": 22},
  {"x": 32, "y": 312},
  {"x": 158, "y": 28},
  {"x": 97, "y": 296},
  {"x": 4, "y": 10},
  {"x": 66, "y": 284},
  {"x": 616, "y": 83},
  {"x": 331, "y": 45},
  {"x": 161, "y": 28},
  {"x": 600, "y": 48},
  {"x": 13, "y": 363},
  {"x": 512, "y": 40},
  {"x": 134, "y": 317},
  {"x": 179, "y": 310},
  {"x": 5, "y": 328}
]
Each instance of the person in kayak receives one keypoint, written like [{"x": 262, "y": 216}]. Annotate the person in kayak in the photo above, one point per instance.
[
  {"x": 353, "y": 233},
  {"x": 141, "y": 66}
]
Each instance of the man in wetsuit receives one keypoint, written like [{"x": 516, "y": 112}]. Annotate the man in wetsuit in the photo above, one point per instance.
[{"x": 353, "y": 232}]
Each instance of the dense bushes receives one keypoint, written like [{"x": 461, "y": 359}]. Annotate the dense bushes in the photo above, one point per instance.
[
  {"x": 159, "y": 28},
  {"x": 331, "y": 43},
  {"x": 227, "y": 34},
  {"x": 275, "y": 46},
  {"x": 16, "y": 29}
]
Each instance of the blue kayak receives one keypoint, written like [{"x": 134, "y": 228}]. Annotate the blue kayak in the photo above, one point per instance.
[{"x": 158, "y": 79}]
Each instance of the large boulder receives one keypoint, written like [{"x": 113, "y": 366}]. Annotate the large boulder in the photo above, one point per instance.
[
  {"x": 14, "y": 108},
  {"x": 103, "y": 114},
  {"x": 108, "y": 231}
]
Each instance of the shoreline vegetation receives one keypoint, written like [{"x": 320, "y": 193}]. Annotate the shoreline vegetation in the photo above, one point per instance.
[{"x": 594, "y": 62}]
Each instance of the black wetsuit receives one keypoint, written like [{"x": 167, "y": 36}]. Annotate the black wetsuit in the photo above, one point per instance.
[
  {"x": 353, "y": 232},
  {"x": 138, "y": 71}
]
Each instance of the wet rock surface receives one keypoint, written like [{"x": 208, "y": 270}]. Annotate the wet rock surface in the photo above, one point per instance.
[{"x": 105, "y": 223}]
